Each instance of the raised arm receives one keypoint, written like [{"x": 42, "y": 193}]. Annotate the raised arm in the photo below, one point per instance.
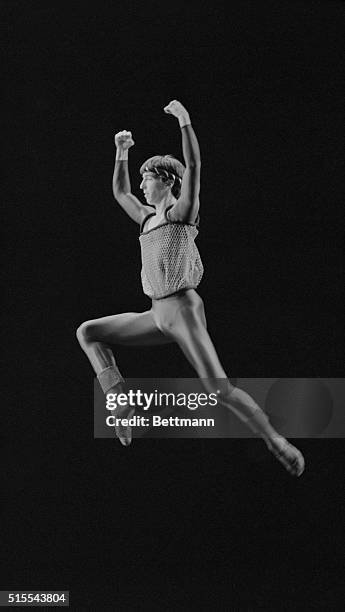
[
  {"x": 121, "y": 183},
  {"x": 187, "y": 205}
]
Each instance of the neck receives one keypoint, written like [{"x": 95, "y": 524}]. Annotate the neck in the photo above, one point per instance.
[{"x": 164, "y": 203}]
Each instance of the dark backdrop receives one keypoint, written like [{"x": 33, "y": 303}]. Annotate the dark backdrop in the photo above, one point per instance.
[{"x": 171, "y": 522}]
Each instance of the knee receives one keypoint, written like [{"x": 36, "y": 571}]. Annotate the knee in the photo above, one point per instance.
[
  {"x": 84, "y": 332},
  {"x": 224, "y": 390}
]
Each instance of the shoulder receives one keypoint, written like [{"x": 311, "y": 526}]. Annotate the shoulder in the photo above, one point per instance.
[
  {"x": 178, "y": 214},
  {"x": 146, "y": 217}
]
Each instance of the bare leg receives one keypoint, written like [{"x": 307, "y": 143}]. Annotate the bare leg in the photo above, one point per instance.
[
  {"x": 96, "y": 338},
  {"x": 131, "y": 328},
  {"x": 183, "y": 318}
]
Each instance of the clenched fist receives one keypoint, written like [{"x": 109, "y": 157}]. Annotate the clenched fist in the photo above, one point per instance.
[
  {"x": 124, "y": 140},
  {"x": 175, "y": 108}
]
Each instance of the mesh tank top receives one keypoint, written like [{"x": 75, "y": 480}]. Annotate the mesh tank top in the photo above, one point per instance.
[{"x": 170, "y": 258}]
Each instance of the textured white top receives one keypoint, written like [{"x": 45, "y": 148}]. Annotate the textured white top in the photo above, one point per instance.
[{"x": 170, "y": 259}]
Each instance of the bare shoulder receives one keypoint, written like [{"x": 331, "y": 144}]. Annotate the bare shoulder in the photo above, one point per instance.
[{"x": 184, "y": 213}]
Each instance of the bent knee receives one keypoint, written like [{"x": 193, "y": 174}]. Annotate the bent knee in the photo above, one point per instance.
[
  {"x": 224, "y": 390},
  {"x": 86, "y": 332}
]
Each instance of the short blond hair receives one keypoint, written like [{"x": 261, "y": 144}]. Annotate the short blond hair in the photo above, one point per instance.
[{"x": 168, "y": 168}]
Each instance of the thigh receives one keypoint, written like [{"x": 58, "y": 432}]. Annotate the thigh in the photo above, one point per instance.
[
  {"x": 166, "y": 311},
  {"x": 194, "y": 340},
  {"x": 182, "y": 317},
  {"x": 130, "y": 328}
]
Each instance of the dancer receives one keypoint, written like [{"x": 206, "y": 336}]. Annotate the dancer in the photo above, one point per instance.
[{"x": 171, "y": 272}]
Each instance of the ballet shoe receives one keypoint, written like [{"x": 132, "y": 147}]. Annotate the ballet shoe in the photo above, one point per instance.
[{"x": 124, "y": 432}]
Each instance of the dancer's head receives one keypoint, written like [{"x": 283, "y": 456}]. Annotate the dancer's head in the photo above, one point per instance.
[{"x": 161, "y": 173}]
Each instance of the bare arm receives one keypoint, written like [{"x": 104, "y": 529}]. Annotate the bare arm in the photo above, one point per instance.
[
  {"x": 187, "y": 205},
  {"x": 121, "y": 183}
]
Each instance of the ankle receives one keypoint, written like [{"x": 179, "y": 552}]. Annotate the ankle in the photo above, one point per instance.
[
  {"x": 109, "y": 378},
  {"x": 259, "y": 423},
  {"x": 116, "y": 389}
]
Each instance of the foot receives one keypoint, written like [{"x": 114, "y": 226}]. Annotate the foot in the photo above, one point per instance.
[
  {"x": 124, "y": 432},
  {"x": 287, "y": 454}
]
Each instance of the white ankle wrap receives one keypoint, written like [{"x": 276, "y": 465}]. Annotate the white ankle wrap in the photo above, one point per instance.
[{"x": 108, "y": 378}]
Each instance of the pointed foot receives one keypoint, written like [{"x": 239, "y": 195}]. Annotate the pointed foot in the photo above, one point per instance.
[{"x": 288, "y": 455}]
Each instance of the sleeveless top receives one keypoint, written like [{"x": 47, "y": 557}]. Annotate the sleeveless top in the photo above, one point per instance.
[{"x": 170, "y": 258}]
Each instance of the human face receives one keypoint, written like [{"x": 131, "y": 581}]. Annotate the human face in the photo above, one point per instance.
[{"x": 153, "y": 187}]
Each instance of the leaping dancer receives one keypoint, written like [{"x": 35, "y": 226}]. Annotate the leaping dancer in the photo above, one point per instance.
[{"x": 171, "y": 272}]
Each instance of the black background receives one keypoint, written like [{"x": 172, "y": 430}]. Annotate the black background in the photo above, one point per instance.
[{"x": 170, "y": 524}]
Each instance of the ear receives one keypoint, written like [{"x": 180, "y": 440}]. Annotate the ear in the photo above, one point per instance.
[{"x": 168, "y": 182}]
